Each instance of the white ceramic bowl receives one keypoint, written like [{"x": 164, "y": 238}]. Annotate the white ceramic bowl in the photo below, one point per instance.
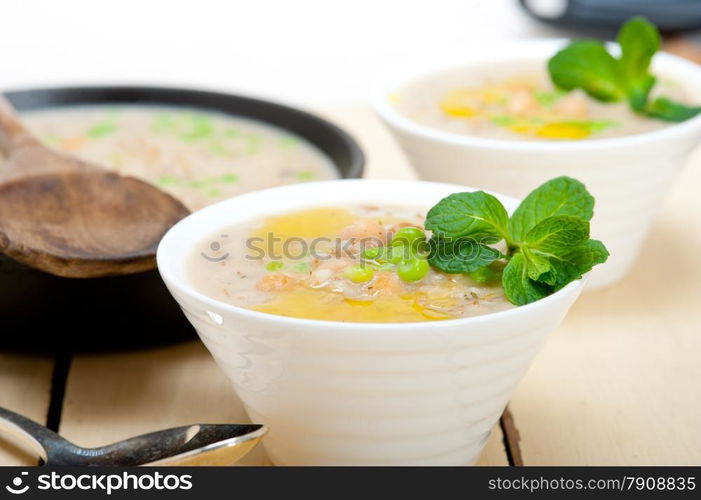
[
  {"x": 628, "y": 176},
  {"x": 361, "y": 393}
]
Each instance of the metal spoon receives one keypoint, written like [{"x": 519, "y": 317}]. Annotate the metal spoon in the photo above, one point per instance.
[{"x": 198, "y": 444}]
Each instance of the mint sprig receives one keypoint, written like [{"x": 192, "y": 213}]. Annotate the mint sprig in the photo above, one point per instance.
[
  {"x": 587, "y": 65},
  {"x": 547, "y": 238},
  {"x": 480, "y": 217}
]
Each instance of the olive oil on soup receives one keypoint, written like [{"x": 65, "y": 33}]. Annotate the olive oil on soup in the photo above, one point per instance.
[
  {"x": 315, "y": 268},
  {"x": 519, "y": 102}
]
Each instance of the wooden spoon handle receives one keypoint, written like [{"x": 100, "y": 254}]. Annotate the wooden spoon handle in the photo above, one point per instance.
[{"x": 13, "y": 135}]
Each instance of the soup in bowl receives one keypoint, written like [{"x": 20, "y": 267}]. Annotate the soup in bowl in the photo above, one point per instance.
[
  {"x": 492, "y": 118},
  {"x": 197, "y": 155},
  {"x": 347, "y": 364}
]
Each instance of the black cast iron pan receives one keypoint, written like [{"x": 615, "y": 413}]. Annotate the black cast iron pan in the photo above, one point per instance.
[{"x": 43, "y": 313}]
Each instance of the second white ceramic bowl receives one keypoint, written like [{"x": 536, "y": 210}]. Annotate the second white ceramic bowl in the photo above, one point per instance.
[
  {"x": 360, "y": 393},
  {"x": 628, "y": 176}
]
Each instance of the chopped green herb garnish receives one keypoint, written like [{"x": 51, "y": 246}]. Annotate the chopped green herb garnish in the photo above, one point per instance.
[
  {"x": 51, "y": 139},
  {"x": 288, "y": 142},
  {"x": 274, "y": 265},
  {"x": 213, "y": 192},
  {"x": 504, "y": 120},
  {"x": 211, "y": 182},
  {"x": 546, "y": 98},
  {"x": 198, "y": 127},
  {"x": 167, "y": 180},
  {"x": 163, "y": 122},
  {"x": 547, "y": 238},
  {"x": 302, "y": 267},
  {"x": 217, "y": 148},
  {"x": 535, "y": 120},
  {"x": 252, "y": 144},
  {"x": 600, "y": 125},
  {"x": 305, "y": 175},
  {"x": 587, "y": 65},
  {"x": 229, "y": 179},
  {"x": 101, "y": 129},
  {"x": 591, "y": 126}
]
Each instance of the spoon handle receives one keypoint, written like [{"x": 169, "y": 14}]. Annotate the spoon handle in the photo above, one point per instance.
[
  {"x": 42, "y": 439},
  {"x": 12, "y": 133}
]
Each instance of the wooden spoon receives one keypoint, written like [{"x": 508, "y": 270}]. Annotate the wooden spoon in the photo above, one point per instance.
[{"x": 71, "y": 218}]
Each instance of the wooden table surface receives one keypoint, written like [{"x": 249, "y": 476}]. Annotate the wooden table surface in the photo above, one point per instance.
[{"x": 618, "y": 383}]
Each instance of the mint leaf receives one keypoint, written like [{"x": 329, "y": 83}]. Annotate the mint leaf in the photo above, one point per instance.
[
  {"x": 519, "y": 288},
  {"x": 460, "y": 256},
  {"x": 555, "y": 234},
  {"x": 476, "y": 215},
  {"x": 538, "y": 266},
  {"x": 549, "y": 245},
  {"x": 559, "y": 196},
  {"x": 574, "y": 263},
  {"x": 639, "y": 40},
  {"x": 587, "y": 65},
  {"x": 668, "y": 110},
  {"x": 487, "y": 275},
  {"x": 547, "y": 239}
]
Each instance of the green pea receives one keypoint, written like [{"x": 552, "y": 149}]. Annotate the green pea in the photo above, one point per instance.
[
  {"x": 408, "y": 235},
  {"x": 397, "y": 253},
  {"x": 274, "y": 265},
  {"x": 413, "y": 237},
  {"x": 373, "y": 253},
  {"x": 358, "y": 273},
  {"x": 413, "y": 269}
]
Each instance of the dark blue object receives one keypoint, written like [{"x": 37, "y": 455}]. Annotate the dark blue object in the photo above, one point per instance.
[{"x": 668, "y": 15}]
